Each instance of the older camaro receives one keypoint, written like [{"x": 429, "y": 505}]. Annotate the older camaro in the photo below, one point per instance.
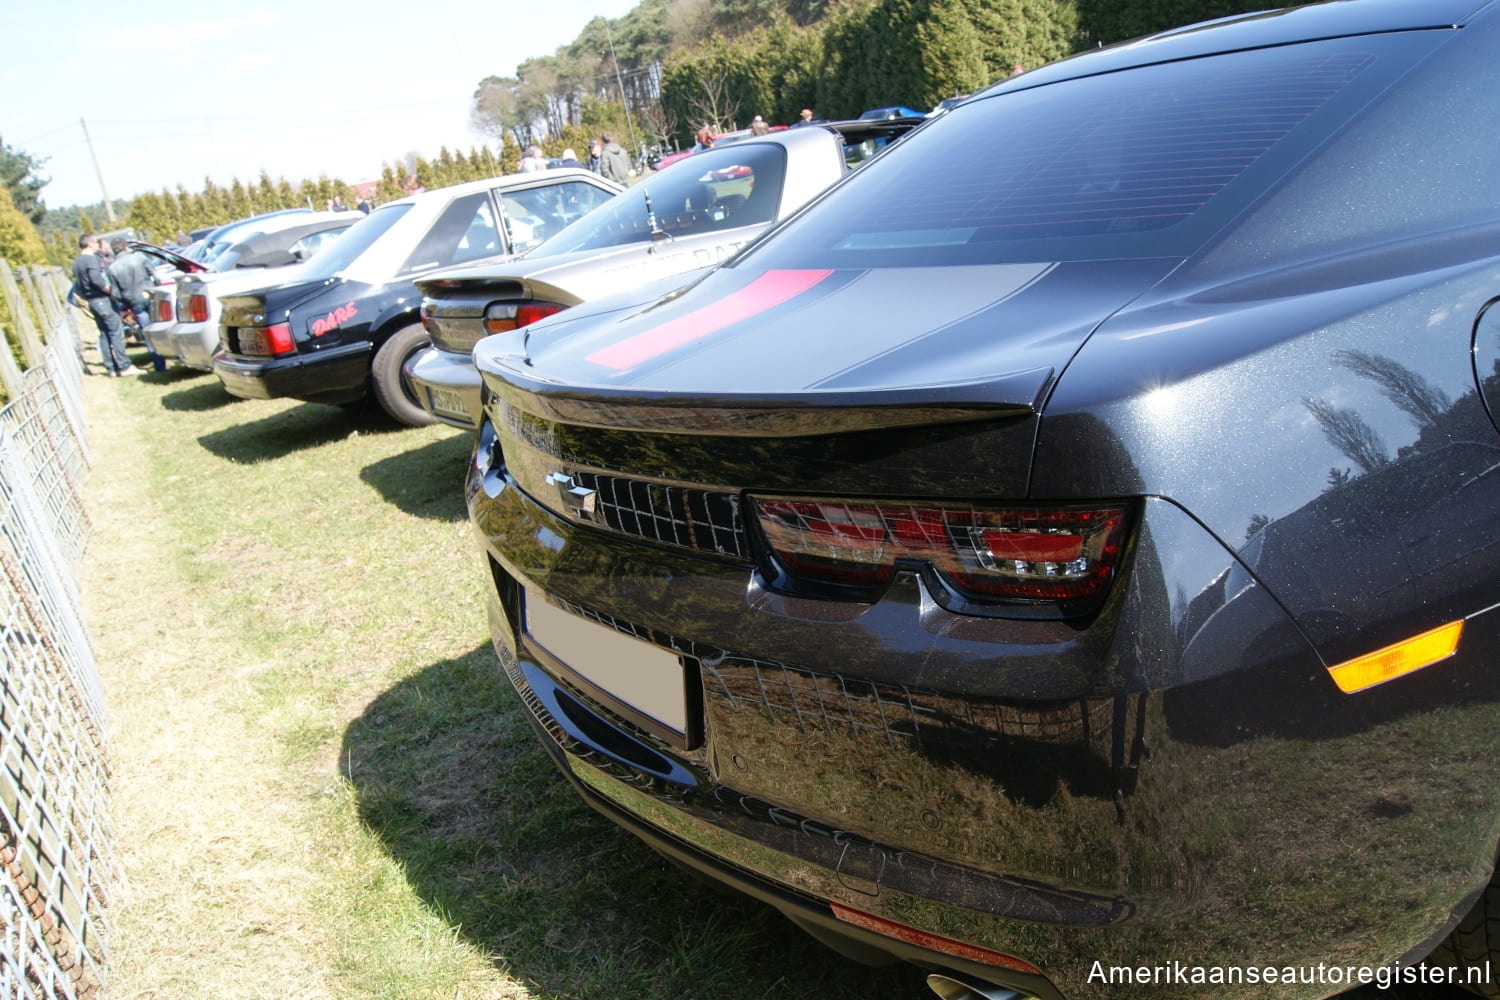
[{"x": 1074, "y": 569}]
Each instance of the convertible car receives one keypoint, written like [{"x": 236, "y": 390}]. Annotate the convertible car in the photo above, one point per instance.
[{"x": 1074, "y": 570}]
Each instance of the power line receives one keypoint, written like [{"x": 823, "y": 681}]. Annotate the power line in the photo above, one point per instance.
[
  {"x": 27, "y": 142},
  {"x": 235, "y": 118}
]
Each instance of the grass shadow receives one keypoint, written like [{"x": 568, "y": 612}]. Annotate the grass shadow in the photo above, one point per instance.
[
  {"x": 426, "y": 481},
  {"x": 450, "y": 777},
  {"x": 201, "y": 398},
  {"x": 298, "y": 429}
]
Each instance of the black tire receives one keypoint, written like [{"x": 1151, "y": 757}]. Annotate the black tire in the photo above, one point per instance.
[
  {"x": 392, "y": 391},
  {"x": 1475, "y": 941}
]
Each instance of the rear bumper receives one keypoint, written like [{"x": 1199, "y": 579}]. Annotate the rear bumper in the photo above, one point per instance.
[
  {"x": 448, "y": 386},
  {"x": 1233, "y": 817},
  {"x": 158, "y": 337},
  {"x": 194, "y": 344},
  {"x": 335, "y": 375}
]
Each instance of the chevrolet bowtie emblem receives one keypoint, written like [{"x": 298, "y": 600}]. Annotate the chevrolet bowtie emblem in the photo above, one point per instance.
[{"x": 575, "y": 498}]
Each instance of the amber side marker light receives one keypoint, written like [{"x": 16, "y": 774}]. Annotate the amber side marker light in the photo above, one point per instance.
[
  {"x": 1396, "y": 659},
  {"x": 932, "y": 942}
]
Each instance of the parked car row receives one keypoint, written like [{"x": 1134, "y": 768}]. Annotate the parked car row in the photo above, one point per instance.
[
  {"x": 690, "y": 217},
  {"x": 1071, "y": 569},
  {"x": 345, "y": 326}
]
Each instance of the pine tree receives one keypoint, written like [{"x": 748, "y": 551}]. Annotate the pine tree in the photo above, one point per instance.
[
  {"x": 952, "y": 55},
  {"x": 19, "y": 241}
]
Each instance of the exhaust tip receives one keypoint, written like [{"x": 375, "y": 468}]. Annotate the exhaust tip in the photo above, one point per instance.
[{"x": 956, "y": 989}]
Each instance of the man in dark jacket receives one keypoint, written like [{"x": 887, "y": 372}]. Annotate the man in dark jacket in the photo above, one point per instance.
[
  {"x": 131, "y": 276},
  {"x": 92, "y": 285}
]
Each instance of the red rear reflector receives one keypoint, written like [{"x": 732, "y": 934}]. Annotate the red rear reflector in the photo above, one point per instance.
[
  {"x": 198, "y": 309},
  {"x": 932, "y": 942}
]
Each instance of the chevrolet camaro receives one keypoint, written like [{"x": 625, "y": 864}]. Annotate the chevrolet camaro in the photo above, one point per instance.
[{"x": 1071, "y": 570}]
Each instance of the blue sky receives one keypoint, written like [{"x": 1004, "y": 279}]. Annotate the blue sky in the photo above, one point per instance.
[{"x": 178, "y": 92}]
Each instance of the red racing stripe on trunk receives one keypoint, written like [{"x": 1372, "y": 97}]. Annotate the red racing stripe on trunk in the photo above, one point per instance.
[{"x": 768, "y": 290}]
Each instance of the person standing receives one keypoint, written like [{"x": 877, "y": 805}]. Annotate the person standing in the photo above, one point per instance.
[
  {"x": 533, "y": 160},
  {"x": 570, "y": 159},
  {"x": 614, "y": 162},
  {"x": 131, "y": 276},
  {"x": 92, "y": 286},
  {"x": 596, "y": 153}
]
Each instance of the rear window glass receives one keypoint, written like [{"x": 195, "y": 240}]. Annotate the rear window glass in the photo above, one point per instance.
[
  {"x": 356, "y": 240},
  {"x": 1421, "y": 159},
  {"x": 539, "y": 213},
  {"x": 1143, "y": 163},
  {"x": 721, "y": 188},
  {"x": 464, "y": 231}
]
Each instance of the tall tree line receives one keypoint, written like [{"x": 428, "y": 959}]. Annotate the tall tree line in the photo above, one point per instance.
[{"x": 675, "y": 65}]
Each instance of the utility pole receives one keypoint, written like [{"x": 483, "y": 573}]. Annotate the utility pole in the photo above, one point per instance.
[
  {"x": 609, "y": 37},
  {"x": 109, "y": 209}
]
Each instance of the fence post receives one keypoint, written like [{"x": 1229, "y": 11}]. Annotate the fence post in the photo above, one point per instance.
[
  {"x": 10, "y": 374},
  {"x": 31, "y": 344},
  {"x": 45, "y": 308}
]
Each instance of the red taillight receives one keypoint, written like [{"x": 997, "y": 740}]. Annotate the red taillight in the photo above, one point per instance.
[
  {"x": 1034, "y": 554},
  {"x": 533, "y": 311},
  {"x": 267, "y": 341},
  {"x": 931, "y": 941},
  {"x": 198, "y": 309},
  {"x": 503, "y": 316},
  {"x": 161, "y": 310}
]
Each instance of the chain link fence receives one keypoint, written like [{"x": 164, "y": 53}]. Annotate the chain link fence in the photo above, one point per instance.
[{"x": 55, "y": 840}]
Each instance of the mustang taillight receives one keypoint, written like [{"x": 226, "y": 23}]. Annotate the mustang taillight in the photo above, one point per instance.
[
  {"x": 503, "y": 316},
  {"x": 1037, "y": 554},
  {"x": 161, "y": 310},
  {"x": 197, "y": 309},
  {"x": 268, "y": 341}
]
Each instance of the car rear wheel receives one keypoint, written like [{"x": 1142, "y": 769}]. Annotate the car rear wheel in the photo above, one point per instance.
[
  {"x": 392, "y": 391},
  {"x": 1474, "y": 942}
]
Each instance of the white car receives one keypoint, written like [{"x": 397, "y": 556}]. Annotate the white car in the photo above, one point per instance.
[
  {"x": 688, "y": 217},
  {"x": 251, "y": 260}
]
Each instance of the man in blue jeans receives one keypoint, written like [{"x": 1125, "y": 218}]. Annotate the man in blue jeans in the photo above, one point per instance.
[
  {"x": 131, "y": 275},
  {"x": 92, "y": 285}
]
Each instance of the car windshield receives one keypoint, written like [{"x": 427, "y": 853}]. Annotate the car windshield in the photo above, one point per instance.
[
  {"x": 353, "y": 241},
  {"x": 739, "y": 185},
  {"x": 1145, "y": 164}
]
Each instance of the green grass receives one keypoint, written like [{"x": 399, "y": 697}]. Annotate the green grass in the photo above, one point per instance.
[
  {"x": 326, "y": 788},
  {"x": 324, "y": 785}
]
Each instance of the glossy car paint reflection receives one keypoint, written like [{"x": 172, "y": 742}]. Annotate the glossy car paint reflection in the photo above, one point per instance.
[{"x": 1297, "y": 424}]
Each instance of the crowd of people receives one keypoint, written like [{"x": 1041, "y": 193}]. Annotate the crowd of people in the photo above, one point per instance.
[{"x": 110, "y": 282}]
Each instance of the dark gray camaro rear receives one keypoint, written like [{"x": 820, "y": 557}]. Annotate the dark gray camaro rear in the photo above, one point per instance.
[{"x": 1078, "y": 576}]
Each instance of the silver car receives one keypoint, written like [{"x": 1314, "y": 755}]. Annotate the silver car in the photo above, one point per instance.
[
  {"x": 254, "y": 260},
  {"x": 691, "y": 216}
]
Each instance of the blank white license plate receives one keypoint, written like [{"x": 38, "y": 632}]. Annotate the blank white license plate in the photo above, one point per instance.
[
  {"x": 447, "y": 401},
  {"x": 638, "y": 675}
]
